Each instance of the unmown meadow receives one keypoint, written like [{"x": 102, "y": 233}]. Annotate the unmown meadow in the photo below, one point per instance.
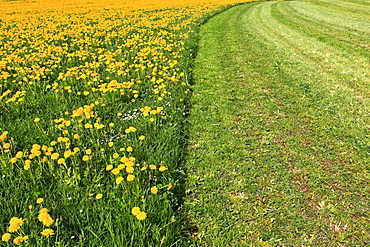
[{"x": 93, "y": 96}]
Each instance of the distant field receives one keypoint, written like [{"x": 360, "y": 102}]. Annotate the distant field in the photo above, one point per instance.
[{"x": 279, "y": 137}]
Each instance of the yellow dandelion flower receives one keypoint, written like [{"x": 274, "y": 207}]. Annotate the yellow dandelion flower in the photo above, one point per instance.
[
  {"x": 109, "y": 167},
  {"x": 130, "y": 177},
  {"x": 6, "y": 237},
  {"x": 45, "y": 219},
  {"x": 76, "y": 149},
  {"x": 162, "y": 168},
  {"x": 6, "y": 145},
  {"x": 119, "y": 180},
  {"x": 110, "y": 144},
  {"x": 15, "y": 224},
  {"x": 53, "y": 143},
  {"x": 39, "y": 200},
  {"x": 111, "y": 124},
  {"x": 85, "y": 158},
  {"x": 76, "y": 136},
  {"x": 43, "y": 211},
  {"x": 99, "y": 196},
  {"x": 123, "y": 159},
  {"x": 36, "y": 120},
  {"x": 88, "y": 151},
  {"x": 135, "y": 210},
  {"x": 36, "y": 147},
  {"x": 141, "y": 216},
  {"x": 115, "y": 155},
  {"x": 61, "y": 161},
  {"x": 16, "y": 221},
  {"x": 129, "y": 149},
  {"x": 169, "y": 186},
  {"x": 88, "y": 126},
  {"x": 19, "y": 154},
  {"x": 129, "y": 163},
  {"x": 13, "y": 160},
  {"x": 154, "y": 190},
  {"x": 152, "y": 167},
  {"x": 47, "y": 232},
  {"x": 30, "y": 207},
  {"x": 130, "y": 169},
  {"x": 54, "y": 156},
  {"x": 26, "y": 167},
  {"x": 115, "y": 171},
  {"x": 18, "y": 240},
  {"x": 141, "y": 138},
  {"x": 130, "y": 129},
  {"x": 67, "y": 153},
  {"x": 13, "y": 228},
  {"x": 36, "y": 152}
]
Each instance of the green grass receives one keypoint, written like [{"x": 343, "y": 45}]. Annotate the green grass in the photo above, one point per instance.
[
  {"x": 130, "y": 77},
  {"x": 279, "y": 125}
]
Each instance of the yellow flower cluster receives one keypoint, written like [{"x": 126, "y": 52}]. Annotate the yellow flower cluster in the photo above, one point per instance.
[
  {"x": 116, "y": 70},
  {"x": 138, "y": 213},
  {"x": 15, "y": 224},
  {"x": 17, "y": 240},
  {"x": 45, "y": 218}
]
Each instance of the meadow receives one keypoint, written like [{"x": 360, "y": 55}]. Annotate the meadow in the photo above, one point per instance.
[
  {"x": 184, "y": 123},
  {"x": 93, "y": 100}
]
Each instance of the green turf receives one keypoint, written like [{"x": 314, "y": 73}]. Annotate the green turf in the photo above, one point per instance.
[{"x": 279, "y": 125}]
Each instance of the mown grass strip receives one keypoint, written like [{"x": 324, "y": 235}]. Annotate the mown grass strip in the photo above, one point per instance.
[{"x": 279, "y": 147}]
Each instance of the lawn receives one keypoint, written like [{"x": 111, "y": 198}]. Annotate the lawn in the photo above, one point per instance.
[{"x": 279, "y": 126}]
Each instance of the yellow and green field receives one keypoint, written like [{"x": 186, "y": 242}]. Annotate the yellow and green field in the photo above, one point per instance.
[
  {"x": 93, "y": 96},
  {"x": 168, "y": 123}
]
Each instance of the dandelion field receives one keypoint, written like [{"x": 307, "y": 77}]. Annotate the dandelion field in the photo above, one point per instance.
[{"x": 92, "y": 103}]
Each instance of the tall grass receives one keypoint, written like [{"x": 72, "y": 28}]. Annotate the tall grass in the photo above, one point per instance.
[{"x": 92, "y": 103}]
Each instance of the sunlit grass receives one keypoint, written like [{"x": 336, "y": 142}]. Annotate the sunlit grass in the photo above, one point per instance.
[
  {"x": 279, "y": 138},
  {"x": 93, "y": 96}
]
